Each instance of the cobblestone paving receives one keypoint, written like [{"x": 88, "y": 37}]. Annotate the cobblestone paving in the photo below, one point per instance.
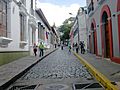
[{"x": 58, "y": 65}]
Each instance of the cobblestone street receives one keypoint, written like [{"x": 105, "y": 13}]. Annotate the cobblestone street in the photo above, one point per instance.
[
  {"x": 60, "y": 64},
  {"x": 60, "y": 70},
  {"x": 59, "y": 45}
]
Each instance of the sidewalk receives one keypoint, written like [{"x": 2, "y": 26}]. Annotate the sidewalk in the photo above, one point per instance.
[
  {"x": 12, "y": 71},
  {"x": 108, "y": 68}
]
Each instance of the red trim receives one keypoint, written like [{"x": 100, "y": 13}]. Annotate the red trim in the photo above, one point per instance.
[
  {"x": 118, "y": 10},
  {"x": 95, "y": 36},
  {"x": 106, "y": 9},
  {"x": 118, "y": 5},
  {"x": 119, "y": 30},
  {"x": 91, "y": 46},
  {"x": 90, "y": 43},
  {"x": 116, "y": 59}
]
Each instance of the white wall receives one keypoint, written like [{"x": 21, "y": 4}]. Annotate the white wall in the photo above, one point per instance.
[
  {"x": 82, "y": 28},
  {"x": 13, "y": 28},
  {"x": 47, "y": 41}
]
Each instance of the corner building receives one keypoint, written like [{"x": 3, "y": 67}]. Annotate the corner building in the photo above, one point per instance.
[
  {"x": 104, "y": 28},
  {"x": 17, "y": 27}
]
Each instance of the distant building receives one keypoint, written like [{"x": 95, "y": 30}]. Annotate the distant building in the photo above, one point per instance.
[
  {"x": 55, "y": 39},
  {"x": 104, "y": 28},
  {"x": 78, "y": 31},
  {"x": 74, "y": 33}
]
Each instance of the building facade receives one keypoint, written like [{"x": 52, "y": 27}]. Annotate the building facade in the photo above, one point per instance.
[
  {"x": 78, "y": 31},
  {"x": 74, "y": 33},
  {"x": 21, "y": 25},
  {"x": 17, "y": 27},
  {"x": 43, "y": 31},
  {"x": 104, "y": 30}
]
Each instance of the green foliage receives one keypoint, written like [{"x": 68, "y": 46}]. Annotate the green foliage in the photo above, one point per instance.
[{"x": 65, "y": 29}]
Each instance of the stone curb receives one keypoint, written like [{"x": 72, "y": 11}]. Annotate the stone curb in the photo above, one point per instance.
[{"x": 23, "y": 71}]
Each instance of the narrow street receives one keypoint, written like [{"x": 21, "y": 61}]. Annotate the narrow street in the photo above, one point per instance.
[
  {"x": 61, "y": 68},
  {"x": 58, "y": 65},
  {"x": 59, "y": 45}
]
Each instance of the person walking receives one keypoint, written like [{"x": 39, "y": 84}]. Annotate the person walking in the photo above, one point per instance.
[
  {"x": 35, "y": 49},
  {"x": 82, "y": 47},
  {"x": 73, "y": 46},
  {"x": 41, "y": 49},
  {"x": 77, "y": 47},
  {"x": 69, "y": 47},
  {"x": 61, "y": 46}
]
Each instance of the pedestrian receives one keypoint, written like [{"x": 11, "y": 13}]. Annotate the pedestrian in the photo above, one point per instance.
[
  {"x": 73, "y": 46},
  {"x": 35, "y": 49},
  {"x": 82, "y": 47},
  {"x": 77, "y": 47},
  {"x": 61, "y": 46},
  {"x": 41, "y": 49},
  {"x": 55, "y": 45},
  {"x": 69, "y": 47}
]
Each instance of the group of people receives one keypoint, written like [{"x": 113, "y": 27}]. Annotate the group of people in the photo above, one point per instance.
[
  {"x": 77, "y": 47},
  {"x": 81, "y": 45},
  {"x": 40, "y": 47}
]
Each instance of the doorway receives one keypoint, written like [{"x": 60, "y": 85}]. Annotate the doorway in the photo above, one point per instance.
[
  {"x": 106, "y": 35},
  {"x": 93, "y": 38}
]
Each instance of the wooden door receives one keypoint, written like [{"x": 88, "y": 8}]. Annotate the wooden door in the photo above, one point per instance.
[{"x": 107, "y": 41}]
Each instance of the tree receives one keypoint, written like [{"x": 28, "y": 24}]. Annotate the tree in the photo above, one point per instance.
[{"x": 65, "y": 28}]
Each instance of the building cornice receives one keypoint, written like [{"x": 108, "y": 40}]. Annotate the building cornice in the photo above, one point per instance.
[{"x": 41, "y": 15}]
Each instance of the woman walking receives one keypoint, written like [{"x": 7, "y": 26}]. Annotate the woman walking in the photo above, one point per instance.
[{"x": 35, "y": 49}]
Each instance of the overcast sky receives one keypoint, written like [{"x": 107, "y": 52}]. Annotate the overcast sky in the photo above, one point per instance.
[{"x": 56, "y": 11}]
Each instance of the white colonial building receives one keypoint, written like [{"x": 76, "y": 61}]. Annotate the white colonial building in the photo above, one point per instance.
[
  {"x": 21, "y": 25},
  {"x": 43, "y": 31},
  {"x": 17, "y": 21}
]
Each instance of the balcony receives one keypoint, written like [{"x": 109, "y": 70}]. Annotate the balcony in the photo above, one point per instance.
[{"x": 91, "y": 8}]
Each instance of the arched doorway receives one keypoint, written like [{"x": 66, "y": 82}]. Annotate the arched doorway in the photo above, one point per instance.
[
  {"x": 90, "y": 45},
  {"x": 93, "y": 37},
  {"x": 106, "y": 32}
]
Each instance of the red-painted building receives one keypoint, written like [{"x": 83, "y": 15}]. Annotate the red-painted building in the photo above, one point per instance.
[{"x": 104, "y": 28}]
